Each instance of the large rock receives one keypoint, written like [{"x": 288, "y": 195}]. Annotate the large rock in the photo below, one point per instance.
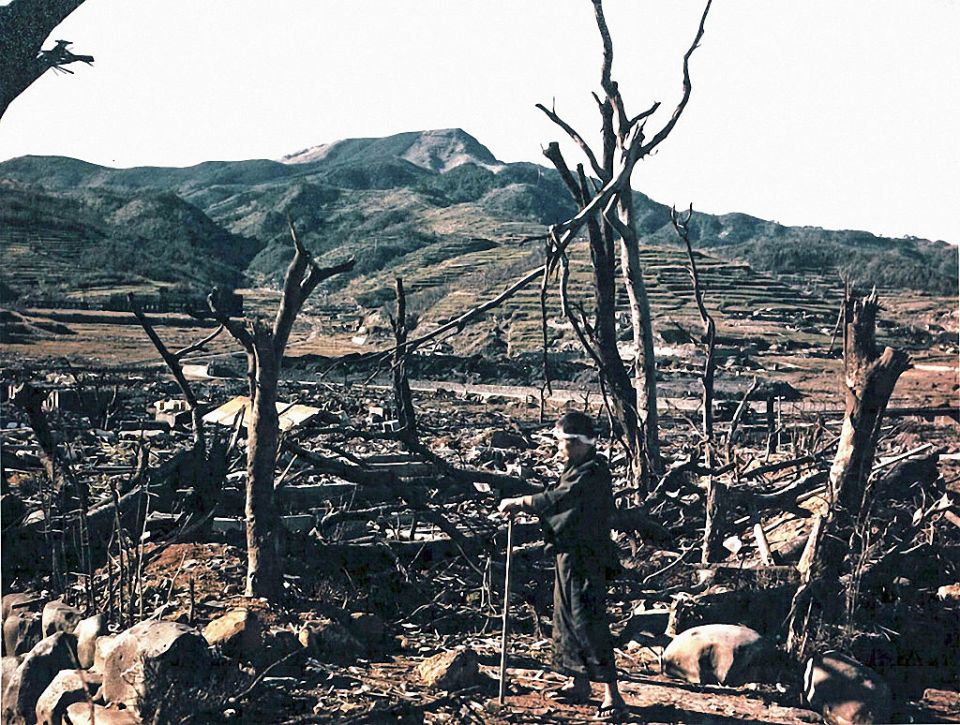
[
  {"x": 87, "y": 633},
  {"x": 713, "y": 654},
  {"x": 152, "y": 659},
  {"x": 83, "y": 713},
  {"x": 330, "y": 640},
  {"x": 455, "y": 670},
  {"x": 52, "y": 654},
  {"x": 844, "y": 691},
  {"x": 238, "y": 634},
  {"x": 68, "y": 687},
  {"x": 21, "y": 632},
  {"x": 102, "y": 649},
  {"x": 10, "y": 665},
  {"x": 60, "y": 617},
  {"x": 16, "y": 601}
]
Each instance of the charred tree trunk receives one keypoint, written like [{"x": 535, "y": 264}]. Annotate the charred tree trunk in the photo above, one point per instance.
[
  {"x": 714, "y": 527},
  {"x": 645, "y": 361},
  {"x": 401, "y": 385},
  {"x": 264, "y": 532},
  {"x": 265, "y": 346},
  {"x": 869, "y": 379}
]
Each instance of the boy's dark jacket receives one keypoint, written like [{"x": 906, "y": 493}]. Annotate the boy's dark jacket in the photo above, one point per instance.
[{"x": 576, "y": 514}]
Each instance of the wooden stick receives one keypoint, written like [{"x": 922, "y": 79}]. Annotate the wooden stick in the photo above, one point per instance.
[
  {"x": 762, "y": 545},
  {"x": 506, "y": 613}
]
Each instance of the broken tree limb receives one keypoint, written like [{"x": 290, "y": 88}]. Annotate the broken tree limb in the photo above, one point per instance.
[{"x": 172, "y": 361}]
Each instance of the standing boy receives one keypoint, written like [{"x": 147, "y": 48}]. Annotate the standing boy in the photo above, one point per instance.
[{"x": 575, "y": 516}]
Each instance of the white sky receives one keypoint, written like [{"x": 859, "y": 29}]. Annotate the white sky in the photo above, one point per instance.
[{"x": 835, "y": 113}]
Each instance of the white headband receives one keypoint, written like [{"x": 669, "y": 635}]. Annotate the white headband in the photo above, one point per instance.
[{"x": 560, "y": 435}]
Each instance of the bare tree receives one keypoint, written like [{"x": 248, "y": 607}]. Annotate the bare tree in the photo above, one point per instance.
[
  {"x": 681, "y": 224},
  {"x": 24, "y": 26},
  {"x": 265, "y": 346},
  {"x": 869, "y": 379},
  {"x": 606, "y": 209}
]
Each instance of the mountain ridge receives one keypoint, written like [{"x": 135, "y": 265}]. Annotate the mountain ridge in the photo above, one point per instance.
[{"x": 387, "y": 200}]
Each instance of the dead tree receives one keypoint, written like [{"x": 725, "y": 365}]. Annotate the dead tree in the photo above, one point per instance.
[
  {"x": 265, "y": 346},
  {"x": 681, "y": 224},
  {"x": 869, "y": 380},
  {"x": 24, "y": 26},
  {"x": 56, "y": 506},
  {"x": 714, "y": 526},
  {"x": 607, "y": 205}
]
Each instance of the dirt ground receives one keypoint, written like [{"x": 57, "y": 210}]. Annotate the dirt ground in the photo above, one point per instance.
[{"x": 195, "y": 582}]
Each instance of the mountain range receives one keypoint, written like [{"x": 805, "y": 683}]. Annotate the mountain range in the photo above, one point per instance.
[{"x": 409, "y": 202}]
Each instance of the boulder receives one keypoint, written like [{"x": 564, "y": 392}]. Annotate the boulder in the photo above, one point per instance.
[
  {"x": 844, "y": 691},
  {"x": 52, "y": 654},
  {"x": 101, "y": 650},
  {"x": 238, "y": 634},
  {"x": 21, "y": 632},
  {"x": 713, "y": 654},
  {"x": 10, "y": 665},
  {"x": 17, "y": 601},
  {"x": 330, "y": 640},
  {"x": 455, "y": 670},
  {"x": 83, "y": 713},
  {"x": 60, "y": 617},
  {"x": 150, "y": 659},
  {"x": 68, "y": 687},
  {"x": 87, "y": 632}
]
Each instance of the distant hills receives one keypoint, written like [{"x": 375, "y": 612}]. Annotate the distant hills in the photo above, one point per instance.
[{"x": 409, "y": 201}]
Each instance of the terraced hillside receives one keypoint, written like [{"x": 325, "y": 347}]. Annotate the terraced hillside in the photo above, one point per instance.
[
  {"x": 58, "y": 246},
  {"x": 434, "y": 207},
  {"x": 733, "y": 292}
]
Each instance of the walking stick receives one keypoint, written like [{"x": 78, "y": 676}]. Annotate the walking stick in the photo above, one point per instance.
[{"x": 506, "y": 613}]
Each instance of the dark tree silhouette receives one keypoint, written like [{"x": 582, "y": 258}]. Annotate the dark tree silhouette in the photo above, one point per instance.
[{"x": 24, "y": 26}]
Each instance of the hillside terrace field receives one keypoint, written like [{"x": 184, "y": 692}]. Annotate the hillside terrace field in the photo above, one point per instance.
[{"x": 775, "y": 328}]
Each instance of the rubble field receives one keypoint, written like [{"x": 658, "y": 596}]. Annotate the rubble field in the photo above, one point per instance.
[{"x": 394, "y": 571}]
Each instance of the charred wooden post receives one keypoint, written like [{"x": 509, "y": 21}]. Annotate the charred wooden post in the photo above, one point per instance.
[
  {"x": 401, "y": 384},
  {"x": 715, "y": 525},
  {"x": 265, "y": 346},
  {"x": 869, "y": 379}
]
